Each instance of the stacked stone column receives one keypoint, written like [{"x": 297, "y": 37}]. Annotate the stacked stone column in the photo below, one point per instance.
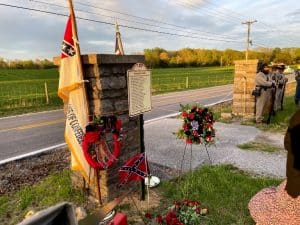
[
  {"x": 244, "y": 83},
  {"x": 107, "y": 94}
]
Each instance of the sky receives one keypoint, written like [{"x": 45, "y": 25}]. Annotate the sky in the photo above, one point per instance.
[{"x": 168, "y": 24}]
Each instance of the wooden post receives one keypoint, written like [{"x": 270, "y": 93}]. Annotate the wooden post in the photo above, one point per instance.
[
  {"x": 187, "y": 82},
  {"x": 141, "y": 118},
  {"x": 98, "y": 185},
  {"x": 46, "y": 93}
]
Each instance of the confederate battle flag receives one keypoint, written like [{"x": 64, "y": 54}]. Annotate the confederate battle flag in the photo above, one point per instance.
[
  {"x": 134, "y": 169},
  {"x": 71, "y": 91}
]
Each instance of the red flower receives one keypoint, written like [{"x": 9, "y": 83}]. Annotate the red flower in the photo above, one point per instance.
[
  {"x": 195, "y": 132},
  {"x": 191, "y": 116},
  {"x": 175, "y": 221},
  {"x": 209, "y": 138},
  {"x": 148, "y": 216},
  {"x": 185, "y": 127},
  {"x": 184, "y": 114},
  {"x": 159, "y": 219},
  {"x": 198, "y": 210},
  {"x": 172, "y": 213},
  {"x": 188, "y": 141}
]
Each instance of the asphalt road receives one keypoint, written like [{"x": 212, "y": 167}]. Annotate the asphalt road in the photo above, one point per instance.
[{"x": 37, "y": 131}]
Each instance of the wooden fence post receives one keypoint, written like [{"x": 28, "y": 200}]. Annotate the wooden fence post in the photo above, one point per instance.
[
  {"x": 46, "y": 93},
  {"x": 187, "y": 82}
]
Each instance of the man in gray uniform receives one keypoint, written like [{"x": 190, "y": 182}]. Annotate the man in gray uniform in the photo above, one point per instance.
[
  {"x": 280, "y": 82},
  {"x": 263, "y": 83}
]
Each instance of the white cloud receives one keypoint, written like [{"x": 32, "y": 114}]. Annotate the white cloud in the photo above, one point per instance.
[{"x": 31, "y": 34}]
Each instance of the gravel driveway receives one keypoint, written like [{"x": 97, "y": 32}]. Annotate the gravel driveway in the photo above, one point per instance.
[{"x": 164, "y": 149}]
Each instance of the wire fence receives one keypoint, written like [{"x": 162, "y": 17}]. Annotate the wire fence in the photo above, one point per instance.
[
  {"x": 40, "y": 93},
  {"x": 186, "y": 81},
  {"x": 29, "y": 93}
]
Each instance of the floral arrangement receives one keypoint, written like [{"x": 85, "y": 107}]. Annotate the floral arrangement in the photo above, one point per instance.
[
  {"x": 184, "y": 212},
  {"x": 197, "y": 127}
]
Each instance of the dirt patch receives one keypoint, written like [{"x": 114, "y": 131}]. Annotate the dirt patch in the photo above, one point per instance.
[
  {"x": 135, "y": 209},
  {"x": 31, "y": 170}
]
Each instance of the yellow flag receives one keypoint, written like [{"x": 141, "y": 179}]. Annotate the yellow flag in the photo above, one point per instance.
[{"x": 71, "y": 90}]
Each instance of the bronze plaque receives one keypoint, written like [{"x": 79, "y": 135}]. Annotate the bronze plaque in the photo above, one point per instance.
[{"x": 139, "y": 90}]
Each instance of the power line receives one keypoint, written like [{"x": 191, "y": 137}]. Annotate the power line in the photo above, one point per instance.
[
  {"x": 125, "y": 26},
  {"x": 122, "y": 19},
  {"x": 241, "y": 18},
  {"x": 248, "y": 23},
  {"x": 148, "y": 19}
]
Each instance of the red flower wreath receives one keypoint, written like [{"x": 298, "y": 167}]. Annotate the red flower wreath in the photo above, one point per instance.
[
  {"x": 197, "y": 125},
  {"x": 95, "y": 139}
]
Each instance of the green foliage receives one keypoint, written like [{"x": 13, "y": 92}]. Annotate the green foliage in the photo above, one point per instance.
[
  {"x": 54, "y": 189},
  {"x": 225, "y": 190},
  {"x": 279, "y": 122},
  {"x": 187, "y": 57},
  {"x": 26, "y": 64}
]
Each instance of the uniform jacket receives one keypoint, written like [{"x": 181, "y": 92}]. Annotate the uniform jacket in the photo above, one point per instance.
[{"x": 263, "y": 80}]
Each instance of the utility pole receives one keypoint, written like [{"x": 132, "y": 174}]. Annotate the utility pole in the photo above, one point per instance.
[{"x": 248, "y": 23}]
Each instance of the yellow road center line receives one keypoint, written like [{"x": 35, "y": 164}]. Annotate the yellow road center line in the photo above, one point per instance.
[{"x": 29, "y": 126}]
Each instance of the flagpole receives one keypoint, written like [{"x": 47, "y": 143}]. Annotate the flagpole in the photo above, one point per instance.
[
  {"x": 78, "y": 56},
  {"x": 141, "y": 122},
  {"x": 79, "y": 61},
  {"x": 148, "y": 181}
]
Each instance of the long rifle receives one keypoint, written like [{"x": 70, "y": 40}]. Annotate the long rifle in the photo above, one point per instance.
[
  {"x": 271, "y": 110},
  {"x": 283, "y": 91}
]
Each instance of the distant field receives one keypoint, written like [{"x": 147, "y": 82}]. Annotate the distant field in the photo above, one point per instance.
[
  {"x": 24, "y": 90},
  {"x": 174, "y": 79}
]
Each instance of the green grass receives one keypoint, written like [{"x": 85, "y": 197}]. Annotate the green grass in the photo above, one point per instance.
[
  {"x": 259, "y": 146},
  {"x": 54, "y": 189},
  {"x": 225, "y": 190},
  {"x": 175, "y": 79},
  {"x": 280, "y": 121},
  {"x": 219, "y": 109},
  {"x": 28, "y": 74},
  {"x": 22, "y": 90}
]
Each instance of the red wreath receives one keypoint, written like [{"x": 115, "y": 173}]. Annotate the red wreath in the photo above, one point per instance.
[{"x": 95, "y": 137}]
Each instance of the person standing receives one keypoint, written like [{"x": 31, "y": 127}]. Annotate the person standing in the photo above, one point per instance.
[
  {"x": 297, "y": 94},
  {"x": 280, "y": 80},
  {"x": 281, "y": 205},
  {"x": 264, "y": 84}
]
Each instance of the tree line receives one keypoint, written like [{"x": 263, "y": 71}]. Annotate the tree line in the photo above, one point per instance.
[
  {"x": 26, "y": 64},
  {"x": 158, "y": 57},
  {"x": 186, "y": 57}
]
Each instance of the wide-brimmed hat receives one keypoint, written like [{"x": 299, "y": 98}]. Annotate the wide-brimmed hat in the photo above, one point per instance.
[{"x": 279, "y": 66}]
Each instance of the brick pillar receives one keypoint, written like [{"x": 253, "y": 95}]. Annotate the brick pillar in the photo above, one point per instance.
[
  {"x": 107, "y": 94},
  {"x": 244, "y": 82}
]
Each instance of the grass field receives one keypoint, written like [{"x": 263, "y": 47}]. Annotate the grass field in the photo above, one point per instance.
[
  {"x": 24, "y": 90},
  {"x": 174, "y": 79},
  {"x": 224, "y": 189}
]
